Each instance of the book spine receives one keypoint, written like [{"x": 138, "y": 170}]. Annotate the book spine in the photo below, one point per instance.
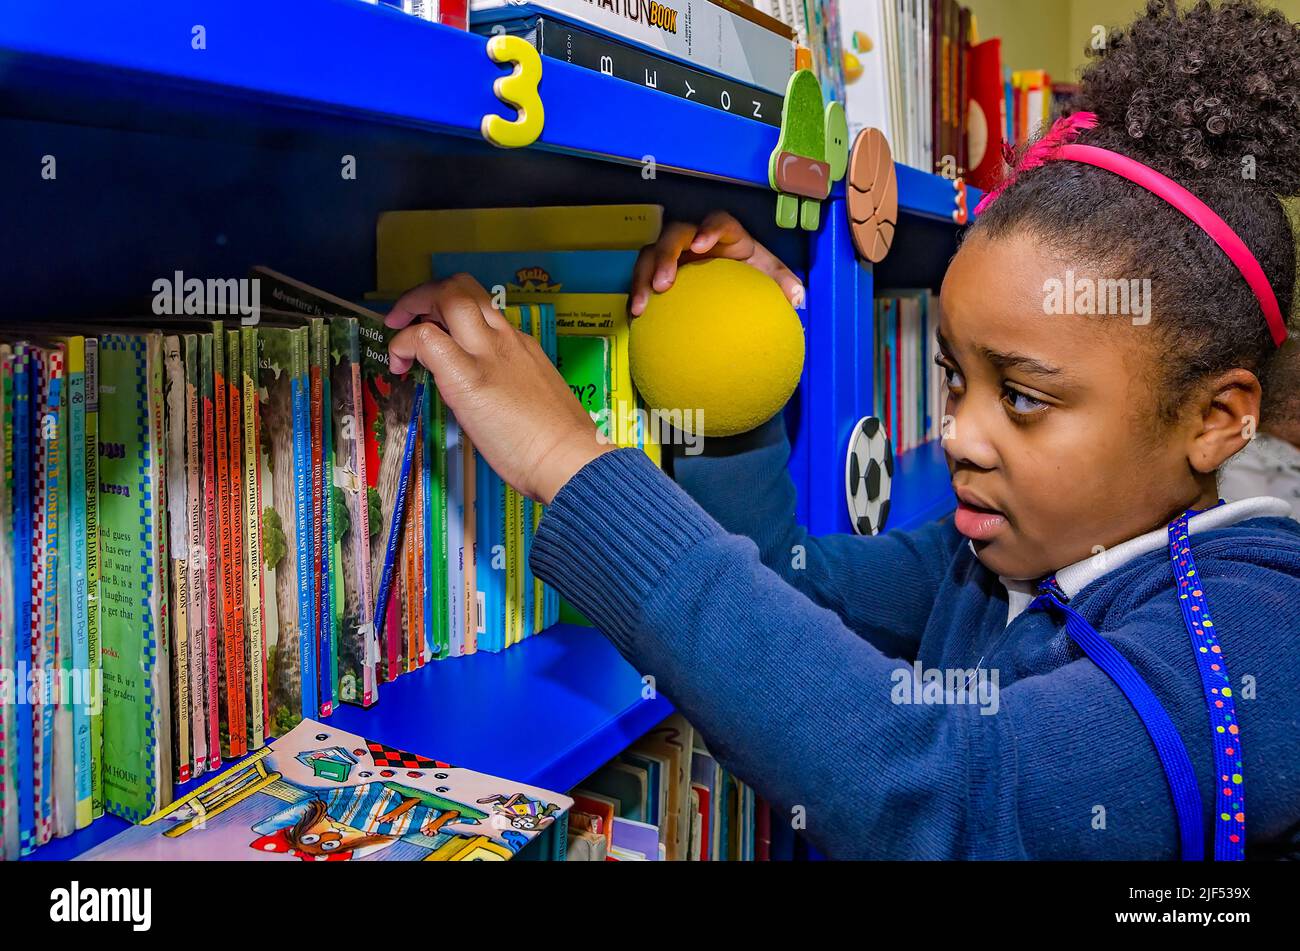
[
  {"x": 196, "y": 612},
  {"x": 455, "y": 538},
  {"x": 221, "y": 558},
  {"x": 51, "y": 470},
  {"x": 692, "y": 31},
  {"x": 129, "y": 564},
  {"x": 178, "y": 634},
  {"x": 412, "y": 601},
  {"x": 22, "y": 585},
  {"x": 330, "y": 575},
  {"x": 210, "y": 552},
  {"x": 237, "y": 634},
  {"x": 9, "y": 850},
  {"x": 316, "y": 371},
  {"x": 158, "y": 603},
  {"x": 64, "y": 699},
  {"x": 254, "y": 596},
  {"x": 432, "y": 583},
  {"x": 473, "y": 616},
  {"x": 303, "y": 537},
  {"x": 77, "y": 496},
  {"x": 442, "y": 604},
  {"x": 589, "y": 50},
  {"x": 366, "y": 617}
]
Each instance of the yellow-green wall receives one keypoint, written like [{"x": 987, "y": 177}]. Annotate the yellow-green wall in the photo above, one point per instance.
[{"x": 1054, "y": 34}]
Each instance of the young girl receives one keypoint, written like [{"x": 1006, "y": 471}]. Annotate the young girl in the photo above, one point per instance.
[{"x": 1133, "y": 639}]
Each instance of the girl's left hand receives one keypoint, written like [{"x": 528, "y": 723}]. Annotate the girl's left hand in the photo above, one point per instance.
[{"x": 514, "y": 405}]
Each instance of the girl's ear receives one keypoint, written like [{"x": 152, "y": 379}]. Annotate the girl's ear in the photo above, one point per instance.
[{"x": 1229, "y": 416}]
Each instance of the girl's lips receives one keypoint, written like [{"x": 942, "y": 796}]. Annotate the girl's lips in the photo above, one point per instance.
[{"x": 978, "y": 524}]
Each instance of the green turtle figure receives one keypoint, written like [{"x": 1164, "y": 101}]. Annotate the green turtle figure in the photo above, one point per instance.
[{"x": 811, "y": 154}]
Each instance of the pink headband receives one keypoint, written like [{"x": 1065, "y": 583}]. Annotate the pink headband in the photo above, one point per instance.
[{"x": 1058, "y": 143}]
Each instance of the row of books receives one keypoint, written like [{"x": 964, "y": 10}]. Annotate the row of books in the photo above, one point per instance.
[
  {"x": 453, "y": 13},
  {"x": 908, "y": 386},
  {"x": 723, "y": 54},
  {"x": 668, "y": 798},
  {"x": 235, "y": 527},
  {"x": 911, "y": 78}
]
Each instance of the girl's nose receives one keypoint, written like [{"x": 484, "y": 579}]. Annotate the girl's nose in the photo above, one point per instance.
[{"x": 964, "y": 436}]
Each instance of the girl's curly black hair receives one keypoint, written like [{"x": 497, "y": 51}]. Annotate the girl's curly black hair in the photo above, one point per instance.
[{"x": 1209, "y": 96}]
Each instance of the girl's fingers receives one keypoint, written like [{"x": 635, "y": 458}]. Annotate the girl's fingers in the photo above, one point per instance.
[
  {"x": 430, "y": 345},
  {"x": 459, "y": 303},
  {"x": 675, "y": 239},
  {"x": 720, "y": 229},
  {"x": 642, "y": 272}
]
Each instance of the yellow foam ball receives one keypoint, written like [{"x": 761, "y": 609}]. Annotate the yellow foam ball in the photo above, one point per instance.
[{"x": 724, "y": 341}]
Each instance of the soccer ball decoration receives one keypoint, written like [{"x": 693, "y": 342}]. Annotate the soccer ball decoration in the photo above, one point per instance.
[{"x": 868, "y": 476}]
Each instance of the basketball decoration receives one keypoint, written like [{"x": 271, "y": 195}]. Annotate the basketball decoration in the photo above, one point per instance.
[
  {"x": 872, "y": 195},
  {"x": 868, "y": 476}
]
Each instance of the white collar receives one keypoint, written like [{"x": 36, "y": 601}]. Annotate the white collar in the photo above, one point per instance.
[{"x": 1074, "y": 578}]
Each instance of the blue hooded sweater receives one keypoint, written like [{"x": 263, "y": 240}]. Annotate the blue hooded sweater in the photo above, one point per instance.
[{"x": 796, "y": 657}]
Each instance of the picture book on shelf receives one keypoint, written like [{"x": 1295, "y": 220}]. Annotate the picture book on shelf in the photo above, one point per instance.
[{"x": 322, "y": 794}]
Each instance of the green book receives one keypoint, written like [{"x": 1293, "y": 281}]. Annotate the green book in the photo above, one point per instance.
[
  {"x": 94, "y": 657},
  {"x": 584, "y": 362},
  {"x": 283, "y": 468},
  {"x": 131, "y": 627}
]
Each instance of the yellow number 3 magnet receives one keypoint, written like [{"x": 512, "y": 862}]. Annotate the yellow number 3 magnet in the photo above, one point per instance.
[{"x": 519, "y": 90}]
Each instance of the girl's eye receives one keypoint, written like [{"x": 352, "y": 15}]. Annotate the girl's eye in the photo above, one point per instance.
[
  {"x": 952, "y": 377},
  {"x": 1022, "y": 403}
]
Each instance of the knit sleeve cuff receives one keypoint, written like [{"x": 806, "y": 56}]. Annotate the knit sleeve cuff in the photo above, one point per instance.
[{"x": 612, "y": 533}]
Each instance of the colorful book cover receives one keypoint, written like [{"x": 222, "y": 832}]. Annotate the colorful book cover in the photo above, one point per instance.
[
  {"x": 282, "y": 398},
  {"x": 178, "y": 570},
  {"x": 130, "y": 616},
  {"x": 406, "y": 240},
  {"x": 241, "y": 680},
  {"x": 358, "y": 650},
  {"x": 210, "y": 550},
  {"x": 254, "y": 596},
  {"x": 196, "y": 613},
  {"x": 321, "y": 794}
]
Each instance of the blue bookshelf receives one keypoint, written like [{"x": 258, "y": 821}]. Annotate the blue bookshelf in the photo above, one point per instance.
[{"x": 211, "y": 160}]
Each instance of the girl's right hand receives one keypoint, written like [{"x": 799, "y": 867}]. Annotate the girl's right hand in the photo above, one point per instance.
[{"x": 719, "y": 235}]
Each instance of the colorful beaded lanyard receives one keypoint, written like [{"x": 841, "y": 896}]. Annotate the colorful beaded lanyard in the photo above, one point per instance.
[{"x": 1230, "y": 800}]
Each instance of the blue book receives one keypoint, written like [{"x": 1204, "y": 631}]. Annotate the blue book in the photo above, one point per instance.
[
  {"x": 303, "y": 536},
  {"x": 543, "y": 272},
  {"x": 23, "y": 472}
]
